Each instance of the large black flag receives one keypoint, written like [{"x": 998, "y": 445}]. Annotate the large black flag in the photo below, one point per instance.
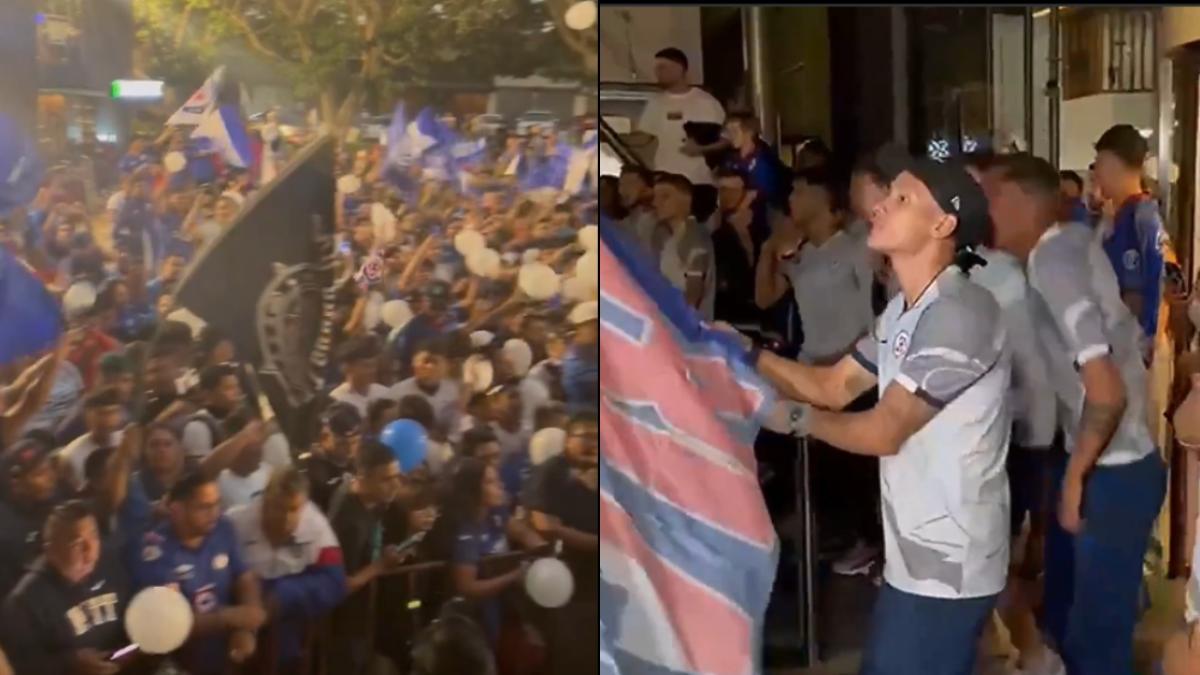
[{"x": 268, "y": 284}]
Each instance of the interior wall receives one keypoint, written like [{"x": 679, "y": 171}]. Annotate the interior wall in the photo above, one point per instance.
[
  {"x": 642, "y": 31},
  {"x": 1085, "y": 119}
]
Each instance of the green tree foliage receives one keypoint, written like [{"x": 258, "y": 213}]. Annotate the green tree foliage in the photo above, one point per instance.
[{"x": 345, "y": 54}]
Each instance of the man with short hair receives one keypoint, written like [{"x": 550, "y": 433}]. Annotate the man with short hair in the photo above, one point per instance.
[
  {"x": 102, "y": 413},
  {"x": 429, "y": 381},
  {"x": 331, "y": 462},
  {"x": 1135, "y": 247},
  {"x": 288, "y": 543},
  {"x": 65, "y": 615},
  {"x": 561, "y": 496},
  {"x": 581, "y": 365},
  {"x": 664, "y": 117},
  {"x": 1110, "y": 486},
  {"x": 766, "y": 176},
  {"x": 221, "y": 391},
  {"x": 27, "y": 470},
  {"x": 940, "y": 428},
  {"x": 197, "y": 553},
  {"x": 739, "y": 237},
  {"x": 359, "y": 359},
  {"x": 687, "y": 259},
  {"x": 1074, "y": 210},
  {"x": 355, "y": 514}
]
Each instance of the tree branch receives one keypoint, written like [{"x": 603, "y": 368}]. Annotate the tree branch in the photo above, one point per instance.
[{"x": 252, "y": 38}]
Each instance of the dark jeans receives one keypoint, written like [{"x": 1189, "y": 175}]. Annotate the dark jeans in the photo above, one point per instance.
[
  {"x": 1093, "y": 579},
  {"x": 919, "y": 635}
]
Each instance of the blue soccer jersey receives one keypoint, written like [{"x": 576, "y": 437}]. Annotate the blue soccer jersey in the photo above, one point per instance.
[
  {"x": 1135, "y": 249},
  {"x": 206, "y": 576}
]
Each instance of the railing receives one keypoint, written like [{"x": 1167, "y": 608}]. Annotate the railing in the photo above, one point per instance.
[{"x": 423, "y": 580}]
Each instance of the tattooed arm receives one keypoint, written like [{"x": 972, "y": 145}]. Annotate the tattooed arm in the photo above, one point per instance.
[{"x": 1103, "y": 407}]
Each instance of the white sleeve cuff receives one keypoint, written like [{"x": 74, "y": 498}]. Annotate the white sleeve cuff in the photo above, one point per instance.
[{"x": 1091, "y": 352}]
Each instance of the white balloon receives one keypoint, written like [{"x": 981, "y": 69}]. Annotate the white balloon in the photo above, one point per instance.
[
  {"x": 381, "y": 216},
  {"x": 545, "y": 444},
  {"x": 175, "y": 161},
  {"x": 396, "y": 313},
  {"x": 589, "y": 237},
  {"x": 349, "y": 184},
  {"x": 581, "y": 15},
  {"x": 159, "y": 619},
  {"x": 478, "y": 373},
  {"x": 373, "y": 312},
  {"x": 549, "y": 583},
  {"x": 587, "y": 268},
  {"x": 484, "y": 263},
  {"x": 538, "y": 280},
  {"x": 481, "y": 338},
  {"x": 469, "y": 241},
  {"x": 519, "y": 355},
  {"x": 78, "y": 299},
  {"x": 531, "y": 255}
]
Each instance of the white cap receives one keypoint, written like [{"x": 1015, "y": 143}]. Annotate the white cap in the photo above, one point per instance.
[{"x": 584, "y": 312}]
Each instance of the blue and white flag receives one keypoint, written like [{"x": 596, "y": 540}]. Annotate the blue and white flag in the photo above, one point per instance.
[
  {"x": 399, "y": 146},
  {"x": 194, "y": 110},
  {"x": 32, "y": 319},
  {"x": 225, "y": 134},
  {"x": 425, "y": 132}
]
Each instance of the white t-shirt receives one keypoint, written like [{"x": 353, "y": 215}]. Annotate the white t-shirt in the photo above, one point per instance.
[
  {"x": 76, "y": 453},
  {"x": 945, "y": 494},
  {"x": 832, "y": 287},
  {"x": 446, "y": 400},
  {"x": 664, "y": 116},
  {"x": 237, "y": 490},
  {"x": 344, "y": 394},
  {"x": 313, "y": 542}
]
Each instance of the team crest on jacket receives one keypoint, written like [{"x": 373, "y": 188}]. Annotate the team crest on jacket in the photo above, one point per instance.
[
  {"x": 151, "y": 553},
  {"x": 900, "y": 346},
  {"x": 1131, "y": 260}
]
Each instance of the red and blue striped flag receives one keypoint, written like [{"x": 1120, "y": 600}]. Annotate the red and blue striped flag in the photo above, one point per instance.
[{"x": 687, "y": 550}]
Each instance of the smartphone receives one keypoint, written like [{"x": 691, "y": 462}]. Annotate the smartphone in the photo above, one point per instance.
[{"x": 407, "y": 545}]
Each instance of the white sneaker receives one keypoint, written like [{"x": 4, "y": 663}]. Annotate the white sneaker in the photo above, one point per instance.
[{"x": 858, "y": 560}]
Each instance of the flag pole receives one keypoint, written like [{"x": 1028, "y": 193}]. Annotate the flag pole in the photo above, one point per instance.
[{"x": 808, "y": 586}]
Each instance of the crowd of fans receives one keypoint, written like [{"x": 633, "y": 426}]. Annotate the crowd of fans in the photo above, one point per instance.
[{"x": 137, "y": 453}]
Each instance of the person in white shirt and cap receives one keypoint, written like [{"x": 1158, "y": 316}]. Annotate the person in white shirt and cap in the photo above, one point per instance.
[
  {"x": 1110, "y": 486},
  {"x": 664, "y": 118},
  {"x": 941, "y": 427}
]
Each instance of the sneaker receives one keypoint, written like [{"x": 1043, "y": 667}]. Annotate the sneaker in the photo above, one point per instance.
[{"x": 858, "y": 560}]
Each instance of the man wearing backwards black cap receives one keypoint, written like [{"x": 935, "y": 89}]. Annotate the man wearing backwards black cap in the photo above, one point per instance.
[
  {"x": 940, "y": 428},
  {"x": 332, "y": 461}
]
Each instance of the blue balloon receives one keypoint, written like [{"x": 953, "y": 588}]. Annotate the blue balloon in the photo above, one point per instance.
[{"x": 407, "y": 441}]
